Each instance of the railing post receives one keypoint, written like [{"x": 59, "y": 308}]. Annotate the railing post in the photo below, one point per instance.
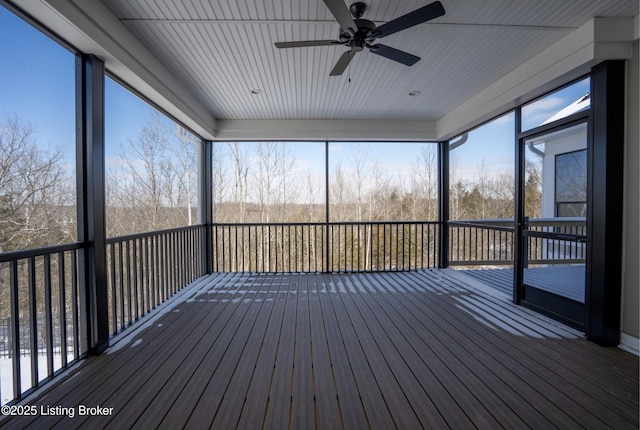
[
  {"x": 519, "y": 242},
  {"x": 15, "y": 328},
  {"x": 327, "y": 238},
  {"x": 443, "y": 204},
  {"x": 94, "y": 305},
  {"x": 205, "y": 204}
]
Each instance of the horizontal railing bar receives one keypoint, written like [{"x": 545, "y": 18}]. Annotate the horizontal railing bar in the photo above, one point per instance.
[
  {"x": 506, "y": 262},
  {"x": 266, "y": 224},
  {"x": 557, "y": 261},
  {"x": 492, "y": 222},
  {"x": 130, "y": 237},
  {"x": 319, "y": 224},
  {"x": 565, "y": 237},
  {"x": 6, "y": 257},
  {"x": 479, "y": 225},
  {"x": 554, "y": 222}
]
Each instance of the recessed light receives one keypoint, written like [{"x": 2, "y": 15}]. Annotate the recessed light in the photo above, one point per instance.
[
  {"x": 414, "y": 93},
  {"x": 256, "y": 91}
]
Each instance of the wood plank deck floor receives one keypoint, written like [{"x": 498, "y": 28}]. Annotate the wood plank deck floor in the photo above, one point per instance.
[
  {"x": 566, "y": 281},
  {"x": 390, "y": 350}
]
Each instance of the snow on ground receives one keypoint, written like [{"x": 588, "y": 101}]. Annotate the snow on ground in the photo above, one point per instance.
[{"x": 6, "y": 373}]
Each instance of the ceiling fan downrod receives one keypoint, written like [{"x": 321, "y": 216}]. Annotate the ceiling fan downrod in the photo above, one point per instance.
[{"x": 358, "y": 9}]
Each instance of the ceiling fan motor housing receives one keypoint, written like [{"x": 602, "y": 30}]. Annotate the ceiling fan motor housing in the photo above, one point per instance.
[{"x": 361, "y": 36}]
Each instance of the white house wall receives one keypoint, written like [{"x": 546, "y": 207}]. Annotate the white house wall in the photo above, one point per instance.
[{"x": 569, "y": 140}]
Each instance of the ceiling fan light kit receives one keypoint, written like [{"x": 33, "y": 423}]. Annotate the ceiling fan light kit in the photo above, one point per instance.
[{"x": 357, "y": 33}]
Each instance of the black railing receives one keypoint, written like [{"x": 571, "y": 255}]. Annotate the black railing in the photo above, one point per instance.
[
  {"x": 41, "y": 319},
  {"x": 328, "y": 247},
  {"x": 146, "y": 269},
  {"x": 481, "y": 243},
  {"x": 383, "y": 246},
  {"x": 40, "y": 292},
  {"x": 40, "y": 310},
  {"x": 274, "y": 247},
  {"x": 557, "y": 241},
  {"x": 490, "y": 242}
]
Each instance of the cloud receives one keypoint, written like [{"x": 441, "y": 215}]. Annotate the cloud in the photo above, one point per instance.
[{"x": 541, "y": 110}]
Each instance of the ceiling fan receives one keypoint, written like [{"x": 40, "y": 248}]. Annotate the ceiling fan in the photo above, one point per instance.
[{"x": 357, "y": 33}]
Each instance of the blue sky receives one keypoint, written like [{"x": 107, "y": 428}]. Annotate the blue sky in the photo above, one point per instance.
[
  {"x": 38, "y": 86},
  {"x": 493, "y": 143},
  {"x": 125, "y": 115}
]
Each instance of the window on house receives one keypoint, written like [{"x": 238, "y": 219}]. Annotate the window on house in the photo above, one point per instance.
[{"x": 571, "y": 184}]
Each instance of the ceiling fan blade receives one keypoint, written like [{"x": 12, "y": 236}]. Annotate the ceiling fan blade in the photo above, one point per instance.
[
  {"x": 304, "y": 43},
  {"x": 341, "y": 13},
  {"x": 394, "y": 54},
  {"x": 342, "y": 63},
  {"x": 418, "y": 16}
]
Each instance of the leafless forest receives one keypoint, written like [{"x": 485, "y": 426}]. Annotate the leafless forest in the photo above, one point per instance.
[{"x": 151, "y": 184}]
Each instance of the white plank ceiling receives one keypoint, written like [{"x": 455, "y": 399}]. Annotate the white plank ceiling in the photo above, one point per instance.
[
  {"x": 201, "y": 59},
  {"x": 224, "y": 49}
]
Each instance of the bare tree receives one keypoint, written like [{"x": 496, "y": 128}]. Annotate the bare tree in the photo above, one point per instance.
[
  {"x": 482, "y": 185},
  {"x": 425, "y": 183},
  {"x": 143, "y": 166},
  {"x": 360, "y": 176},
  {"x": 503, "y": 191},
  {"x": 533, "y": 189},
  {"x": 186, "y": 159},
  {"x": 313, "y": 194},
  {"x": 379, "y": 193},
  {"x": 339, "y": 193},
  {"x": 152, "y": 185},
  {"x": 220, "y": 181},
  {"x": 274, "y": 179},
  {"x": 37, "y": 199},
  {"x": 266, "y": 178},
  {"x": 241, "y": 166}
]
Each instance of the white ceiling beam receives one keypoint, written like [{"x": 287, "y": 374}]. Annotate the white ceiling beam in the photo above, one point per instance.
[
  {"x": 597, "y": 40},
  {"x": 321, "y": 130}
]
